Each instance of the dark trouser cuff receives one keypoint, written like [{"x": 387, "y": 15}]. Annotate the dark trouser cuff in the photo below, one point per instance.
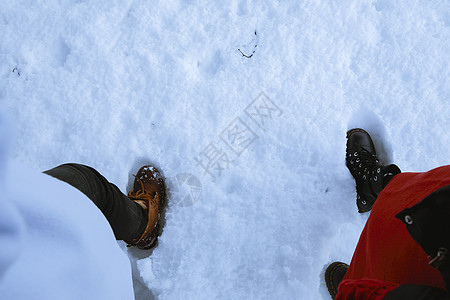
[{"x": 127, "y": 219}]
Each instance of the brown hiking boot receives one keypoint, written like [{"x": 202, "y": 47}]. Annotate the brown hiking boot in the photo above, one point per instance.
[{"x": 149, "y": 192}]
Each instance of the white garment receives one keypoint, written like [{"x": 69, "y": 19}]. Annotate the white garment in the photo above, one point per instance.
[{"x": 54, "y": 242}]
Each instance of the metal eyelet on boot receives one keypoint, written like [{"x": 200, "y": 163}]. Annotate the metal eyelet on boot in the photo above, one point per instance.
[
  {"x": 364, "y": 167},
  {"x": 408, "y": 220}
]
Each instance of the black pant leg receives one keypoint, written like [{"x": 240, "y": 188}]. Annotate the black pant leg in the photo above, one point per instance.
[{"x": 127, "y": 219}]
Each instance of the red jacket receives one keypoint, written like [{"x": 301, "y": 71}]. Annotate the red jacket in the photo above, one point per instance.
[{"x": 386, "y": 255}]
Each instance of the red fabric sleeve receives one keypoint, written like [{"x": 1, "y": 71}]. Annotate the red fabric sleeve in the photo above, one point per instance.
[{"x": 364, "y": 289}]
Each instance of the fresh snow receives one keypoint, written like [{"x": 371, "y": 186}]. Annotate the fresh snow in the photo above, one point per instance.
[{"x": 115, "y": 84}]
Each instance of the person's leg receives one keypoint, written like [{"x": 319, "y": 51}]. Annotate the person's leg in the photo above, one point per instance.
[
  {"x": 128, "y": 219},
  {"x": 371, "y": 178}
]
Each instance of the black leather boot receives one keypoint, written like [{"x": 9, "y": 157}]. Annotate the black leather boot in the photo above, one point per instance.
[
  {"x": 370, "y": 176},
  {"x": 334, "y": 275}
]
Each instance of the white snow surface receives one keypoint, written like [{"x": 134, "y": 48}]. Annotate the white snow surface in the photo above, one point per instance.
[
  {"x": 115, "y": 84},
  {"x": 50, "y": 234},
  {"x": 57, "y": 256}
]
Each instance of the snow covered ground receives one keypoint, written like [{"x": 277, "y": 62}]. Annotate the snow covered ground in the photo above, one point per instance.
[{"x": 252, "y": 148}]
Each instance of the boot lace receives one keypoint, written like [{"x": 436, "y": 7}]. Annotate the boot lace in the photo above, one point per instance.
[
  {"x": 143, "y": 197},
  {"x": 363, "y": 164}
]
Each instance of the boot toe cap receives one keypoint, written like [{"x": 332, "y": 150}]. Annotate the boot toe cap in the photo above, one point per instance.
[{"x": 358, "y": 138}]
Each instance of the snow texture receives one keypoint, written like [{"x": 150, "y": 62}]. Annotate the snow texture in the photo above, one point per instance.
[
  {"x": 115, "y": 84},
  {"x": 50, "y": 236},
  {"x": 67, "y": 249},
  {"x": 11, "y": 224}
]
